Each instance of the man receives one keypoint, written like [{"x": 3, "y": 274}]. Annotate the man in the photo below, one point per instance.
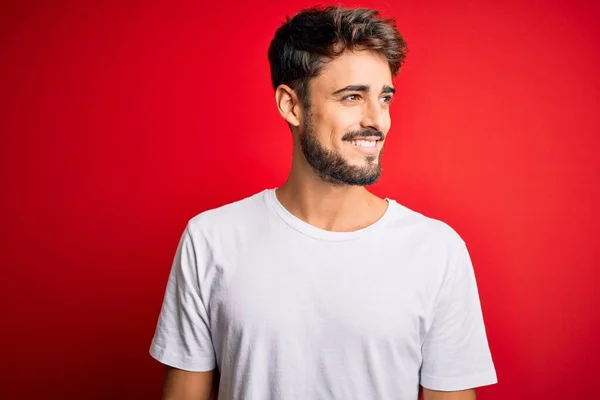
[{"x": 320, "y": 290}]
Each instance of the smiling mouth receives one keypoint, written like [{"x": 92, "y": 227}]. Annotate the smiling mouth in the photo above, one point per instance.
[{"x": 364, "y": 143}]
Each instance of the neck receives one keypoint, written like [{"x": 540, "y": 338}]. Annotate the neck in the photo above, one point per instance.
[{"x": 328, "y": 206}]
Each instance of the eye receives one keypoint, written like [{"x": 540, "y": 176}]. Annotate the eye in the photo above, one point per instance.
[
  {"x": 352, "y": 97},
  {"x": 387, "y": 99}
]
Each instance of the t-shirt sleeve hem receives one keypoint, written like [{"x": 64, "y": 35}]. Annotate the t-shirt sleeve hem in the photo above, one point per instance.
[
  {"x": 462, "y": 383},
  {"x": 199, "y": 364}
]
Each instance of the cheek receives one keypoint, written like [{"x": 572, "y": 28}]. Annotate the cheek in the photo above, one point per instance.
[
  {"x": 345, "y": 121},
  {"x": 335, "y": 124}
]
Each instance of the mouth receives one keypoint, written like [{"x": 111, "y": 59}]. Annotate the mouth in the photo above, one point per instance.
[{"x": 366, "y": 144}]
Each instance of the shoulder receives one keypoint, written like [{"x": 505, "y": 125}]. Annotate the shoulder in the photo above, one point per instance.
[
  {"x": 228, "y": 217},
  {"x": 438, "y": 249},
  {"x": 424, "y": 231}
]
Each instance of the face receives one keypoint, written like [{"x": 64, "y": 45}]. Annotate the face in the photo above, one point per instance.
[{"x": 344, "y": 128}]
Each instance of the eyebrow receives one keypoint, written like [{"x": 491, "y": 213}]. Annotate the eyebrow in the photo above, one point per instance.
[{"x": 363, "y": 88}]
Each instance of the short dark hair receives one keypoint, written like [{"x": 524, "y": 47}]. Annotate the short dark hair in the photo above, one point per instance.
[{"x": 305, "y": 42}]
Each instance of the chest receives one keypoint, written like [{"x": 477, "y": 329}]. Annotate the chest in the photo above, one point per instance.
[{"x": 328, "y": 294}]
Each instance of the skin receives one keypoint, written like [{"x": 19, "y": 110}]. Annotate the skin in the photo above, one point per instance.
[
  {"x": 326, "y": 184},
  {"x": 468, "y": 394},
  {"x": 326, "y": 203},
  {"x": 186, "y": 385}
]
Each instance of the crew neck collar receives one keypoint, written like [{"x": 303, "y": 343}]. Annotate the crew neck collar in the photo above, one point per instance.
[{"x": 322, "y": 234}]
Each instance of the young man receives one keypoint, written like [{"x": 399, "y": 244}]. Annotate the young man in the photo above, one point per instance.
[{"x": 320, "y": 290}]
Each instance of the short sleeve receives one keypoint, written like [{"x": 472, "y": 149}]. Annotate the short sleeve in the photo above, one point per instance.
[
  {"x": 182, "y": 338},
  {"x": 455, "y": 351}
]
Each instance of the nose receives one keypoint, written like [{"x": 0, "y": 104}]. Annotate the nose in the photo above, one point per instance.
[{"x": 374, "y": 116}]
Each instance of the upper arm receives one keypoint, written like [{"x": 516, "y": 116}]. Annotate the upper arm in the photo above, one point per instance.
[
  {"x": 187, "y": 385},
  {"x": 455, "y": 351},
  {"x": 468, "y": 394},
  {"x": 183, "y": 339}
]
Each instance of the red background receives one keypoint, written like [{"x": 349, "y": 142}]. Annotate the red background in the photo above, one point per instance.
[{"x": 121, "y": 121}]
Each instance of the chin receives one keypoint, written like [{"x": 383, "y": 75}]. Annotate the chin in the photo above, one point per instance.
[{"x": 364, "y": 161}]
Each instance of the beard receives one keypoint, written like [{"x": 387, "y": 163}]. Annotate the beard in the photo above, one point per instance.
[{"x": 331, "y": 166}]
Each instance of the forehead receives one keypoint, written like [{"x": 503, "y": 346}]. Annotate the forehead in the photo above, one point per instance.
[{"x": 354, "y": 68}]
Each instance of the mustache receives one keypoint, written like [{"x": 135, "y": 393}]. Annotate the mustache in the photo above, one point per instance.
[{"x": 363, "y": 133}]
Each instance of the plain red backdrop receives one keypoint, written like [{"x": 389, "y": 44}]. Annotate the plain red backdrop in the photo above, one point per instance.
[{"x": 120, "y": 121}]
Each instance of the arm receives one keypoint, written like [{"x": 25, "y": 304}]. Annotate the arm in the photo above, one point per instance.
[
  {"x": 468, "y": 394},
  {"x": 182, "y": 339},
  {"x": 456, "y": 355},
  {"x": 186, "y": 385}
]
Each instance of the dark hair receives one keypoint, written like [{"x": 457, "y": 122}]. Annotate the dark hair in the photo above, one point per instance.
[{"x": 305, "y": 42}]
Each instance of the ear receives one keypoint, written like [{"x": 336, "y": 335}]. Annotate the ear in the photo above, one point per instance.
[{"x": 288, "y": 104}]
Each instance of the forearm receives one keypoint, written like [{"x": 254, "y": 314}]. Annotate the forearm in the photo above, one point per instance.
[
  {"x": 429, "y": 394},
  {"x": 184, "y": 385}
]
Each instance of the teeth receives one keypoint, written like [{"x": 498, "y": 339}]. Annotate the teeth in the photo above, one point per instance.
[{"x": 364, "y": 143}]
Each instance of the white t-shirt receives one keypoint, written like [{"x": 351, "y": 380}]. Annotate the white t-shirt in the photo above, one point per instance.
[{"x": 289, "y": 311}]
